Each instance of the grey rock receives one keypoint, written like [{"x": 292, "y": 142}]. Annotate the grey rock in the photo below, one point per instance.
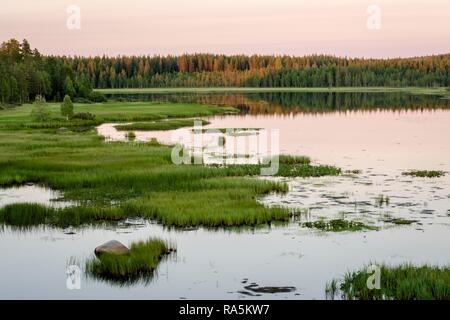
[{"x": 113, "y": 247}]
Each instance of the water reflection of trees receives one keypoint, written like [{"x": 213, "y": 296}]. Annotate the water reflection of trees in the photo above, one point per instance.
[{"x": 301, "y": 102}]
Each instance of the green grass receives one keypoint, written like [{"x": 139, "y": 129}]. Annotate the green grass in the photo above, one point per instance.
[
  {"x": 25, "y": 214},
  {"x": 294, "y": 160},
  {"x": 109, "y": 112},
  {"x": 159, "y": 125},
  {"x": 112, "y": 181},
  {"x": 139, "y": 264},
  {"x": 425, "y": 173},
  {"x": 338, "y": 225},
  {"x": 403, "y": 282}
]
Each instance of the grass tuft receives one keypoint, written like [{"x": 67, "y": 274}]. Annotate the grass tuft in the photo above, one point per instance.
[
  {"x": 139, "y": 264},
  {"x": 403, "y": 282}
]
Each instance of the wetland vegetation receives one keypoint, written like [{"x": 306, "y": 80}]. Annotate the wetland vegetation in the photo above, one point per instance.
[
  {"x": 109, "y": 182},
  {"x": 139, "y": 264},
  {"x": 401, "y": 282},
  {"x": 425, "y": 173},
  {"x": 112, "y": 181},
  {"x": 338, "y": 225}
]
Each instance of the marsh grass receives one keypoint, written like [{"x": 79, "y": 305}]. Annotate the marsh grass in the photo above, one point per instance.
[
  {"x": 294, "y": 160},
  {"x": 338, "y": 225},
  {"x": 25, "y": 214},
  {"x": 424, "y": 173},
  {"x": 113, "y": 181},
  {"x": 331, "y": 289},
  {"x": 403, "y": 282},
  {"x": 138, "y": 265},
  {"x": 159, "y": 125}
]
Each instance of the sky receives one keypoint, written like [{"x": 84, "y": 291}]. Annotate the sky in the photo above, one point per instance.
[{"x": 354, "y": 28}]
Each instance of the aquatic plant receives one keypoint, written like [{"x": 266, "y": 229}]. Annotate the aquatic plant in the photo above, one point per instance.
[
  {"x": 382, "y": 200},
  {"x": 399, "y": 221},
  {"x": 338, "y": 225},
  {"x": 402, "y": 282},
  {"x": 331, "y": 289},
  {"x": 291, "y": 160},
  {"x": 425, "y": 173}
]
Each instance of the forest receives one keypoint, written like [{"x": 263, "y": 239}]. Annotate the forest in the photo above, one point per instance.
[{"x": 25, "y": 73}]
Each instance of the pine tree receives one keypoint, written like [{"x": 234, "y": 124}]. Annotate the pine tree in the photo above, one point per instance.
[
  {"x": 68, "y": 87},
  {"x": 67, "y": 107}
]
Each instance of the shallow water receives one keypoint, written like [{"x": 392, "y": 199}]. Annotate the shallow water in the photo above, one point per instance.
[
  {"x": 221, "y": 264},
  {"x": 212, "y": 264},
  {"x": 32, "y": 194},
  {"x": 382, "y": 140}
]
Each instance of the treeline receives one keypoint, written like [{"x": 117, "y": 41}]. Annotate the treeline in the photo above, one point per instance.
[
  {"x": 207, "y": 70},
  {"x": 25, "y": 74}
]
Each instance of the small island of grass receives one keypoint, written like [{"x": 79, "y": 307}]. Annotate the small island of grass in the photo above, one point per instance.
[{"x": 139, "y": 264}]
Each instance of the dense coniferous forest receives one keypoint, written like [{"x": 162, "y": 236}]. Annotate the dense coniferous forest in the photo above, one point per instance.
[{"x": 24, "y": 72}]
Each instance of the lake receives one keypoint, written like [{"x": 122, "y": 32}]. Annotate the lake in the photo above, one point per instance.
[{"x": 380, "y": 134}]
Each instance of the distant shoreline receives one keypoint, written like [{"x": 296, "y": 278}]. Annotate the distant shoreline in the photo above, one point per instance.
[{"x": 412, "y": 90}]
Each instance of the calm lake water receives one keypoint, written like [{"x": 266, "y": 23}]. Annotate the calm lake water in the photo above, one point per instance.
[{"x": 380, "y": 134}]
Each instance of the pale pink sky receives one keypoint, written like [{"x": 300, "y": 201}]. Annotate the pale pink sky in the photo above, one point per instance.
[{"x": 295, "y": 27}]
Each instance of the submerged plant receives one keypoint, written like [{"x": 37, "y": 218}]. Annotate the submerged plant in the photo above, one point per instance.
[
  {"x": 382, "y": 200},
  {"x": 338, "y": 225},
  {"x": 399, "y": 221},
  {"x": 425, "y": 173}
]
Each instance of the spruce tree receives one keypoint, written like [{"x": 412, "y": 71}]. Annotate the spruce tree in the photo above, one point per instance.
[{"x": 67, "y": 107}]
